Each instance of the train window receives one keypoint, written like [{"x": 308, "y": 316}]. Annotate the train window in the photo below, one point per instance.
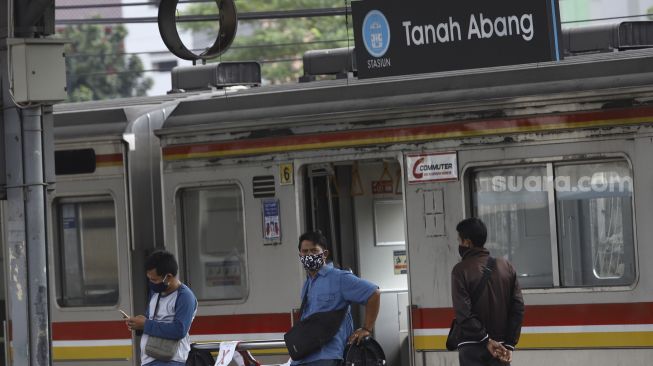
[
  {"x": 74, "y": 161},
  {"x": 595, "y": 224},
  {"x": 593, "y": 221},
  {"x": 86, "y": 252},
  {"x": 389, "y": 222},
  {"x": 213, "y": 234},
  {"x": 515, "y": 207}
]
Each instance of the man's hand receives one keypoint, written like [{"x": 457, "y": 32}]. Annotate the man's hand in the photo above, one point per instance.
[
  {"x": 507, "y": 357},
  {"x": 498, "y": 351},
  {"x": 136, "y": 322},
  {"x": 358, "y": 335}
]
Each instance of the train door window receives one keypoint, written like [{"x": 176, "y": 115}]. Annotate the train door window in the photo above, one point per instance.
[
  {"x": 86, "y": 253},
  {"x": 595, "y": 224},
  {"x": 513, "y": 202},
  {"x": 213, "y": 235}
]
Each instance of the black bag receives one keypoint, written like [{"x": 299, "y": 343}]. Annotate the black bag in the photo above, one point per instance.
[
  {"x": 453, "y": 338},
  {"x": 367, "y": 353},
  {"x": 310, "y": 334},
  {"x": 199, "y": 357}
]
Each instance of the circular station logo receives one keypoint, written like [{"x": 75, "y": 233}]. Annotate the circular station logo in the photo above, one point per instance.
[{"x": 376, "y": 33}]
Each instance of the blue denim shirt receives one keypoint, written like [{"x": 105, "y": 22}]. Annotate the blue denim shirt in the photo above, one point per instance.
[{"x": 334, "y": 289}]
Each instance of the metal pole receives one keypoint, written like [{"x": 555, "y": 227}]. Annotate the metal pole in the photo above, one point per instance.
[
  {"x": 36, "y": 235},
  {"x": 17, "y": 335},
  {"x": 17, "y": 289}
]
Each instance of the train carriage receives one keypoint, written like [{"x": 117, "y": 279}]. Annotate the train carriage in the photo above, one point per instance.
[
  {"x": 551, "y": 156},
  {"x": 554, "y": 157},
  {"x": 104, "y": 216}
]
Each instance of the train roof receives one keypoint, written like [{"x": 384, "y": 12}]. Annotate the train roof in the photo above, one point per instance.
[
  {"x": 106, "y": 117},
  {"x": 337, "y": 100}
]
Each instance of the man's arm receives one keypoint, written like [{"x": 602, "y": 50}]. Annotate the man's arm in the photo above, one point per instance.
[
  {"x": 371, "y": 312},
  {"x": 184, "y": 310},
  {"x": 515, "y": 314},
  {"x": 472, "y": 328}
]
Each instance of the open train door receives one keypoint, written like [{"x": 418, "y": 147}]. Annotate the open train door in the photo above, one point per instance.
[
  {"x": 432, "y": 191},
  {"x": 358, "y": 204}
]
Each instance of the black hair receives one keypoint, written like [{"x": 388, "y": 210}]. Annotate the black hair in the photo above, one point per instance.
[
  {"x": 314, "y": 236},
  {"x": 164, "y": 262},
  {"x": 473, "y": 229}
]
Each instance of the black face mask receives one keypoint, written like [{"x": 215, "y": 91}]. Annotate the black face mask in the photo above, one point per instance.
[
  {"x": 463, "y": 250},
  {"x": 158, "y": 287}
]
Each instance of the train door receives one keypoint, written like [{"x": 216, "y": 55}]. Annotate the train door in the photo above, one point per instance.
[
  {"x": 89, "y": 260},
  {"x": 359, "y": 206}
]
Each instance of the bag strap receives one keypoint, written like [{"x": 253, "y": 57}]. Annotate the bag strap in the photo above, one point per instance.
[
  {"x": 304, "y": 300},
  {"x": 487, "y": 271},
  {"x": 156, "y": 307}
]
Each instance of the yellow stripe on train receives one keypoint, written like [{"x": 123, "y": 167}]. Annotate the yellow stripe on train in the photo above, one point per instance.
[
  {"x": 556, "y": 340},
  {"x": 92, "y": 353},
  {"x": 123, "y": 353}
]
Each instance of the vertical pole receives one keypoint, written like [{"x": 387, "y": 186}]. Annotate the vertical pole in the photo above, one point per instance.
[
  {"x": 35, "y": 185},
  {"x": 27, "y": 288},
  {"x": 17, "y": 290}
]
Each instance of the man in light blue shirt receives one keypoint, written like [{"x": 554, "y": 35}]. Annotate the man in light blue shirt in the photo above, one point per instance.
[{"x": 327, "y": 289}]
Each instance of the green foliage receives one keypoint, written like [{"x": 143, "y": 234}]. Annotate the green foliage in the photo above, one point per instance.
[
  {"x": 97, "y": 67},
  {"x": 279, "y": 43}
]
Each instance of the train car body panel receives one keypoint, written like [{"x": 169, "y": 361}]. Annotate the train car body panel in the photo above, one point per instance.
[
  {"x": 105, "y": 217},
  {"x": 546, "y": 125},
  {"x": 228, "y": 180}
]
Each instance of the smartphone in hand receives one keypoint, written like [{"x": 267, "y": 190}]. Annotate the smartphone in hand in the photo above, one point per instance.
[{"x": 124, "y": 315}]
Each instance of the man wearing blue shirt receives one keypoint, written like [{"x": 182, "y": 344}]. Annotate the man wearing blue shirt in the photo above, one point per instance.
[
  {"x": 327, "y": 289},
  {"x": 170, "y": 311}
]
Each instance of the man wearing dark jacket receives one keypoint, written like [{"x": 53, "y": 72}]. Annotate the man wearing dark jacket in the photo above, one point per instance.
[{"x": 490, "y": 325}]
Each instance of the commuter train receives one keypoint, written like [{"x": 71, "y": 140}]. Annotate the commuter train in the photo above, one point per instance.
[{"x": 554, "y": 157}]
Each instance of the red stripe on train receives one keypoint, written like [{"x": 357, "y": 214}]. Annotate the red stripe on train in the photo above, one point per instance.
[
  {"x": 215, "y": 324},
  {"x": 71, "y": 331},
  {"x": 248, "y": 323},
  {"x": 108, "y": 158},
  {"x": 460, "y": 126},
  {"x": 552, "y": 315}
]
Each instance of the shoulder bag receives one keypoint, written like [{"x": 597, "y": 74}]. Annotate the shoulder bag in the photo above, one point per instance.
[
  {"x": 161, "y": 349},
  {"x": 453, "y": 339},
  {"x": 309, "y": 335}
]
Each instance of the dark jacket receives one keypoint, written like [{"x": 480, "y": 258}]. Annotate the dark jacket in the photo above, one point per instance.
[{"x": 499, "y": 311}]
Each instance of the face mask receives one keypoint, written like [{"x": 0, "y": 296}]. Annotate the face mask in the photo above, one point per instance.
[
  {"x": 158, "y": 287},
  {"x": 462, "y": 250},
  {"x": 312, "y": 262}
]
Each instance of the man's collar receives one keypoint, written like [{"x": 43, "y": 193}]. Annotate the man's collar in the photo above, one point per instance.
[
  {"x": 475, "y": 251},
  {"x": 326, "y": 268}
]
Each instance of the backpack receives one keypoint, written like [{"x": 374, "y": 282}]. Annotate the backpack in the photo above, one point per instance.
[{"x": 367, "y": 353}]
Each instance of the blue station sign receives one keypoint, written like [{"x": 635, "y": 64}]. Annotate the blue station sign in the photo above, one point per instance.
[{"x": 418, "y": 36}]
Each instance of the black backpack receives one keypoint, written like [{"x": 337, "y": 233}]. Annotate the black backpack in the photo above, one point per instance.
[
  {"x": 367, "y": 353},
  {"x": 198, "y": 357}
]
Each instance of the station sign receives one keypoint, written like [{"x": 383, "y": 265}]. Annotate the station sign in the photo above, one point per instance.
[
  {"x": 418, "y": 36},
  {"x": 434, "y": 167}
]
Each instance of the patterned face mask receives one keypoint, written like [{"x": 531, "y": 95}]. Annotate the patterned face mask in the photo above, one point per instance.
[{"x": 312, "y": 262}]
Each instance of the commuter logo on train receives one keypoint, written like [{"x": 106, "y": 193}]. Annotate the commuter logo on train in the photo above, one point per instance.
[{"x": 432, "y": 167}]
